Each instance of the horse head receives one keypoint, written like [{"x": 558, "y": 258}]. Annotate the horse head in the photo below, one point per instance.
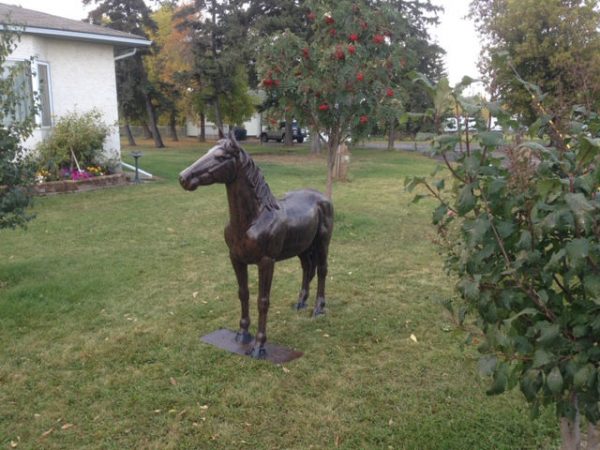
[{"x": 218, "y": 165}]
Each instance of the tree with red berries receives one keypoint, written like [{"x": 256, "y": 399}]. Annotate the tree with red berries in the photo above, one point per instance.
[{"x": 340, "y": 76}]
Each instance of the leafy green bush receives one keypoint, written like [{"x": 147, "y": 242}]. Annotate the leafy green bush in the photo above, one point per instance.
[
  {"x": 76, "y": 139},
  {"x": 16, "y": 174},
  {"x": 520, "y": 225}
]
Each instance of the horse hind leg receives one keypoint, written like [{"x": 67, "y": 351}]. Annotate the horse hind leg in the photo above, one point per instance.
[
  {"x": 308, "y": 273},
  {"x": 322, "y": 250}
]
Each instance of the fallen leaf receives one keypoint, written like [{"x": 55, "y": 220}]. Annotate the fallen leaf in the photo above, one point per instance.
[
  {"x": 204, "y": 407},
  {"x": 285, "y": 369},
  {"x": 47, "y": 433},
  {"x": 170, "y": 230},
  {"x": 66, "y": 426},
  {"x": 325, "y": 335},
  {"x": 413, "y": 338},
  {"x": 390, "y": 422},
  {"x": 13, "y": 444},
  {"x": 172, "y": 411},
  {"x": 337, "y": 440},
  {"x": 195, "y": 294},
  {"x": 173, "y": 381},
  {"x": 157, "y": 411},
  {"x": 36, "y": 415}
]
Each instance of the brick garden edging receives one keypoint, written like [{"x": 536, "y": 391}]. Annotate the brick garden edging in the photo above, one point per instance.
[{"x": 90, "y": 184}]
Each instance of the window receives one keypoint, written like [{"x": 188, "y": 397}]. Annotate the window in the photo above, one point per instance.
[
  {"x": 22, "y": 85},
  {"x": 30, "y": 85},
  {"x": 43, "y": 91}
]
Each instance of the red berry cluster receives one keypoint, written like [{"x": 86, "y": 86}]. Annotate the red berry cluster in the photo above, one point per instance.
[{"x": 378, "y": 39}]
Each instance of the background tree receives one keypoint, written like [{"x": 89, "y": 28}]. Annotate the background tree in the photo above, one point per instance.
[
  {"x": 219, "y": 38},
  {"x": 131, "y": 16},
  {"x": 16, "y": 124},
  {"x": 410, "y": 32},
  {"x": 170, "y": 65},
  {"x": 336, "y": 79},
  {"x": 554, "y": 44}
]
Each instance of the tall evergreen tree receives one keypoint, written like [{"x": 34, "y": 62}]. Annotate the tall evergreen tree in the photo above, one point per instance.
[{"x": 132, "y": 16}]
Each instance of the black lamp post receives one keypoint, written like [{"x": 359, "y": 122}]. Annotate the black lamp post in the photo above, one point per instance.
[{"x": 136, "y": 156}]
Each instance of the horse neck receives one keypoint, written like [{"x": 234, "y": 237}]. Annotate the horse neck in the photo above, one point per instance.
[{"x": 248, "y": 194}]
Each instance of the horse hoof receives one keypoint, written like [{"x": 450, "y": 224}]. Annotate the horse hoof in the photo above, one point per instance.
[
  {"x": 300, "y": 305},
  {"x": 257, "y": 353},
  {"x": 318, "y": 312},
  {"x": 243, "y": 337}
]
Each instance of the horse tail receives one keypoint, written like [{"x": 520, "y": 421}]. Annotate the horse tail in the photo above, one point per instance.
[{"x": 325, "y": 219}]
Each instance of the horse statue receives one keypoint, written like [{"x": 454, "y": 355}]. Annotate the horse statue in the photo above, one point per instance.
[{"x": 263, "y": 230}]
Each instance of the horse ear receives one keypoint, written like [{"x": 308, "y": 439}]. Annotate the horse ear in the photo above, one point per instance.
[{"x": 234, "y": 143}]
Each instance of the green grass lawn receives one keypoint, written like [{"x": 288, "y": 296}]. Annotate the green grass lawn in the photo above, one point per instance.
[{"x": 104, "y": 297}]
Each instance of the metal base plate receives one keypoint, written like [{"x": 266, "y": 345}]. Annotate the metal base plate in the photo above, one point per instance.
[{"x": 225, "y": 339}]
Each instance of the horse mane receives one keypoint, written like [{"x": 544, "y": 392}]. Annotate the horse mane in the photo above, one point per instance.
[{"x": 255, "y": 178}]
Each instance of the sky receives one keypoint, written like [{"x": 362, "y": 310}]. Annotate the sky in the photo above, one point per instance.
[{"x": 455, "y": 33}]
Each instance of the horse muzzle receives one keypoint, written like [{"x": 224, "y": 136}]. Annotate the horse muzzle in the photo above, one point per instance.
[{"x": 190, "y": 181}]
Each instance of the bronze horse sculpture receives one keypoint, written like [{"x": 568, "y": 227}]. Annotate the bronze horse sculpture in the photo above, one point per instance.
[{"x": 263, "y": 230}]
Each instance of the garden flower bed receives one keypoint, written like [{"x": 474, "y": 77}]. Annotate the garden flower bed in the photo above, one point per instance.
[{"x": 80, "y": 185}]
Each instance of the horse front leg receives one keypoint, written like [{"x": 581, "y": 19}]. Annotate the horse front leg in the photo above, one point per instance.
[
  {"x": 241, "y": 273},
  {"x": 266, "y": 267}
]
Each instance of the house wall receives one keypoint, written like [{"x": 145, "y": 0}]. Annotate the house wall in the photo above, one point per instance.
[{"x": 82, "y": 77}]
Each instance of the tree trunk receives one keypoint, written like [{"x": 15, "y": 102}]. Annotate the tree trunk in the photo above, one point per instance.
[
  {"x": 158, "y": 143},
  {"x": 332, "y": 148},
  {"x": 147, "y": 132},
  {"x": 173, "y": 125},
  {"x": 288, "y": 130},
  {"x": 391, "y": 134},
  {"x": 218, "y": 119},
  {"x": 202, "y": 134},
  {"x": 315, "y": 141},
  {"x": 569, "y": 429},
  {"x": 130, "y": 138}
]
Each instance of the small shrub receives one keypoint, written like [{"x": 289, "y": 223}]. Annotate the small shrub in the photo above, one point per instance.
[
  {"x": 520, "y": 228},
  {"x": 76, "y": 138}
]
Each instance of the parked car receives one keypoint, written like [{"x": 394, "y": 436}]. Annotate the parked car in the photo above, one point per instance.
[
  {"x": 278, "y": 134},
  {"x": 451, "y": 124}
]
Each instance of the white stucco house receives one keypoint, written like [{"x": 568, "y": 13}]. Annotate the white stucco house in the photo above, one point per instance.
[{"x": 73, "y": 67}]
